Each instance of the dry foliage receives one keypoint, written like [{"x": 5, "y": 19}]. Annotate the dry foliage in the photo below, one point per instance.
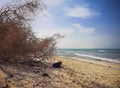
[{"x": 17, "y": 40}]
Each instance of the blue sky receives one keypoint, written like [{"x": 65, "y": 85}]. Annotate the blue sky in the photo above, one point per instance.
[{"x": 85, "y": 23}]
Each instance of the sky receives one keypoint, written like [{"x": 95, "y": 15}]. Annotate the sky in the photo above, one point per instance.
[{"x": 84, "y": 23}]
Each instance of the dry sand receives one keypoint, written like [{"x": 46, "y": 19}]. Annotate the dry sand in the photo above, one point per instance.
[
  {"x": 93, "y": 74},
  {"x": 73, "y": 74}
]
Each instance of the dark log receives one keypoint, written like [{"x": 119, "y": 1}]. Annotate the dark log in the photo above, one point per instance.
[{"x": 57, "y": 65}]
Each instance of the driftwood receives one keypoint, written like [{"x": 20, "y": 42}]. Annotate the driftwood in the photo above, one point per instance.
[{"x": 57, "y": 65}]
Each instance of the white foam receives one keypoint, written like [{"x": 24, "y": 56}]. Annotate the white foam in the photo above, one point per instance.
[
  {"x": 101, "y": 51},
  {"x": 98, "y": 58}
]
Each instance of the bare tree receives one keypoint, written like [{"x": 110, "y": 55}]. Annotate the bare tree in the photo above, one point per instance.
[{"x": 17, "y": 40}]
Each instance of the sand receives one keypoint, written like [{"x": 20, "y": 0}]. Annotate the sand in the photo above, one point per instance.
[
  {"x": 72, "y": 74},
  {"x": 92, "y": 74}
]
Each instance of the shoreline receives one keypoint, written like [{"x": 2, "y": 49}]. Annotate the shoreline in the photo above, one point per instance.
[
  {"x": 72, "y": 74},
  {"x": 110, "y": 64},
  {"x": 104, "y": 74}
]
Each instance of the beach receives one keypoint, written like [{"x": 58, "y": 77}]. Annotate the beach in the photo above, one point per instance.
[
  {"x": 59, "y": 44},
  {"x": 72, "y": 74},
  {"x": 94, "y": 74}
]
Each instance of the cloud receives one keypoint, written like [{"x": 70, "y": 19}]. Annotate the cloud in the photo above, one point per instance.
[
  {"x": 50, "y": 29},
  {"x": 80, "y": 12},
  {"x": 84, "y": 30},
  {"x": 52, "y": 3}
]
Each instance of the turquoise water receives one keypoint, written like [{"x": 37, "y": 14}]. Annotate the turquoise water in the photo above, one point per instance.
[{"x": 112, "y": 55}]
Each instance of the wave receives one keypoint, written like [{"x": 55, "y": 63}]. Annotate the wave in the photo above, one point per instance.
[
  {"x": 102, "y": 51},
  {"x": 98, "y": 58},
  {"x": 108, "y": 51}
]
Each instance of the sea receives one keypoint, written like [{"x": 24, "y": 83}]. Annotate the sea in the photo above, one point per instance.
[{"x": 109, "y": 55}]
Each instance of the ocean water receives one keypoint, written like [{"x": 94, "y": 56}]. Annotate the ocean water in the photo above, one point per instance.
[{"x": 110, "y": 55}]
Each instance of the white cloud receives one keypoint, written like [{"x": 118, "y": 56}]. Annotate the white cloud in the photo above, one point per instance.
[
  {"x": 77, "y": 41},
  {"x": 50, "y": 29},
  {"x": 84, "y": 30},
  {"x": 80, "y": 12},
  {"x": 51, "y": 3}
]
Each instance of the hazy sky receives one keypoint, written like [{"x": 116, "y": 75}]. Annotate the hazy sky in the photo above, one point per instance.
[{"x": 85, "y": 23}]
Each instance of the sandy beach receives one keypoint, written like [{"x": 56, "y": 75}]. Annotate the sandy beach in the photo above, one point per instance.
[
  {"x": 93, "y": 74},
  {"x": 59, "y": 44},
  {"x": 72, "y": 74}
]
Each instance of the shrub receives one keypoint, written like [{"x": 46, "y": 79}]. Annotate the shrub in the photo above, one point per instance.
[{"x": 17, "y": 40}]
